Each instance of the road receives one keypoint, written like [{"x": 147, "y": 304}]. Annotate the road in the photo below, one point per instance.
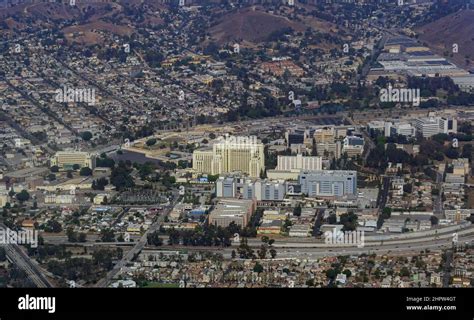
[
  {"x": 438, "y": 202},
  {"x": 383, "y": 195}
]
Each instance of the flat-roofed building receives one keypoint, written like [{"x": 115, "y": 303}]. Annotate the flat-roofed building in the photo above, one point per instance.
[
  {"x": 231, "y": 154},
  {"x": 283, "y": 174},
  {"x": 461, "y": 166},
  {"x": 299, "y": 162},
  {"x": 353, "y": 146},
  {"x": 266, "y": 190},
  {"x": 324, "y": 135},
  {"x": 328, "y": 183},
  {"x": 403, "y": 129},
  {"x": 202, "y": 161},
  {"x": 66, "y": 160},
  {"x": 226, "y": 187},
  {"x": 227, "y": 211},
  {"x": 465, "y": 83},
  {"x": 329, "y": 149},
  {"x": 427, "y": 127},
  {"x": 457, "y": 215},
  {"x": 430, "y": 126}
]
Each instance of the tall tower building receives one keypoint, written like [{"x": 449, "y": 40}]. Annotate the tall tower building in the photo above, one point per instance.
[{"x": 232, "y": 154}]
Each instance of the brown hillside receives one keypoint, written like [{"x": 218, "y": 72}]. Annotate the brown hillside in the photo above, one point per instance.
[
  {"x": 250, "y": 25},
  {"x": 456, "y": 28}
]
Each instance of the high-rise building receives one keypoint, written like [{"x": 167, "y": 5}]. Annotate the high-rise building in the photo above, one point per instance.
[
  {"x": 66, "y": 160},
  {"x": 328, "y": 183},
  {"x": 299, "y": 162},
  {"x": 231, "y": 154}
]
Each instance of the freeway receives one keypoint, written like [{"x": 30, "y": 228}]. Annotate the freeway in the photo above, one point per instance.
[
  {"x": 16, "y": 255},
  {"x": 308, "y": 253},
  {"x": 292, "y": 248},
  {"x": 316, "y": 253}
]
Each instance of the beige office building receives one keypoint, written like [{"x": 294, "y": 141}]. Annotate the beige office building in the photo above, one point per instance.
[
  {"x": 329, "y": 149},
  {"x": 325, "y": 135}
]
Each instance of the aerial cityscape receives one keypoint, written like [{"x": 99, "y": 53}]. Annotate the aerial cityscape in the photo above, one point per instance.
[{"x": 236, "y": 143}]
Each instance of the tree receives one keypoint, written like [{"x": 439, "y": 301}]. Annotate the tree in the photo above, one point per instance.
[
  {"x": 53, "y": 226},
  {"x": 54, "y": 169},
  {"x": 85, "y": 171},
  {"x": 297, "y": 211},
  {"x": 452, "y": 153},
  {"x": 258, "y": 268},
  {"x": 121, "y": 178},
  {"x": 404, "y": 272},
  {"x": 82, "y": 237},
  {"x": 107, "y": 235},
  {"x": 262, "y": 252},
  {"x": 86, "y": 135},
  {"x": 349, "y": 220},
  {"x": 154, "y": 239},
  {"x": 71, "y": 235},
  {"x": 386, "y": 213},
  {"x": 23, "y": 196},
  {"x": 3, "y": 254},
  {"x": 331, "y": 274},
  {"x": 151, "y": 142}
]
